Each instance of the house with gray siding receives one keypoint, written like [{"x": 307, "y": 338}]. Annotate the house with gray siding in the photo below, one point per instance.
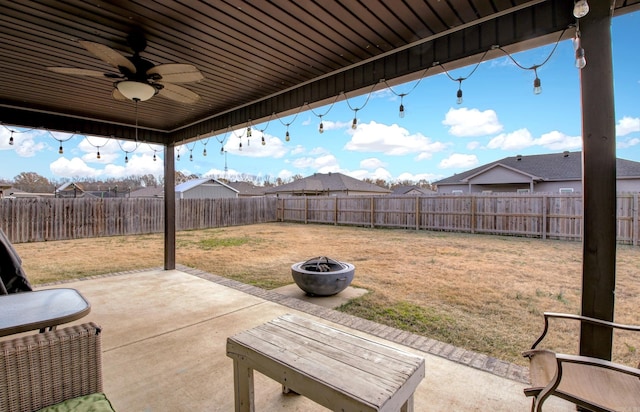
[
  {"x": 549, "y": 173},
  {"x": 327, "y": 184},
  {"x": 207, "y": 188}
]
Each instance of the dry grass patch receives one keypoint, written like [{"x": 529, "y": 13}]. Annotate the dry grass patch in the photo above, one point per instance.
[{"x": 484, "y": 293}]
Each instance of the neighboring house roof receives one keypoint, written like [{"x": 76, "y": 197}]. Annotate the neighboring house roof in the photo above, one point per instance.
[
  {"x": 247, "y": 188},
  {"x": 319, "y": 183},
  {"x": 411, "y": 190},
  {"x": 69, "y": 187},
  {"x": 548, "y": 167},
  {"x": 148, "y": 192},
  {"x": 183, "y": 187}
]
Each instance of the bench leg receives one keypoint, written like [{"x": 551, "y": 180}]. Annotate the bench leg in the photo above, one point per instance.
[
  {"x": 243, "y": 387},
  {"x": 408, "y": 405}
]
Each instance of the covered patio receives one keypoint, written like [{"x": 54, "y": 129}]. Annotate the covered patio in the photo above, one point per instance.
[
  {"x": 164, "y": 336},
  {"x": 279, "y": 58}
]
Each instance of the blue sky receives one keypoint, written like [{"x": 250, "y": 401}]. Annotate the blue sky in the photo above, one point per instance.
[{"x": 499, "y": 117}]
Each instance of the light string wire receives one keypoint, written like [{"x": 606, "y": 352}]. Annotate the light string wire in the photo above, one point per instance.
[
  {"x": 535, "y": 66},
  {"x": 126, "y": 152},
  {"x": 287, "y": 136},
  {"x": 96, "y": 146}
]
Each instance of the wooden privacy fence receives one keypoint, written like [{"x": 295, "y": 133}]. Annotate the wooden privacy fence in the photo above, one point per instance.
[
  {"x": 42, "y": 219},
  {"x": 547, "y": 216}
]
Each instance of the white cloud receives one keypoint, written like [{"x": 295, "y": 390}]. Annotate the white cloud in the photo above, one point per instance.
[
  {"x": 371, "y": 163},
  {"x": 522, "y": 138},
  {"x": 458, "y": 160},
  {"x": 379, "y": 173},
  {"x": 474, "y": 145},
  {"x": 472, "y": 122},
  {"x": 318, "y": 151},
  {"x": 391, "y": 140},
  {"x": 285, "y": 174},
  {"x": 627, "y": 125},
  {"x": 76, "y": 167},
  {"x": 429, "y": 177},
  {"x": 330, "y": 125},
  {"x": 297, "y": 150},
  {"x": 629, "y": 143},
  {"x": 24, "y": 144},
  {"x": 325, "y": 162}
]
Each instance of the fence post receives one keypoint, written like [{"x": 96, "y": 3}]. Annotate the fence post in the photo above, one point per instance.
[
  {"x": 473, "y": 213},
  {"x": 306, "y": 210},
  {"x": 335, "y": 211},
  {"x": 417, "y": 212},
  {"x": 545, "y": 207},
  {"x": 372, "y": 212},
  {"x": 636, "y": 225}
]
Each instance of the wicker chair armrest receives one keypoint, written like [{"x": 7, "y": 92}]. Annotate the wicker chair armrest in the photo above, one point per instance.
[{"x": 44, "y": 369}]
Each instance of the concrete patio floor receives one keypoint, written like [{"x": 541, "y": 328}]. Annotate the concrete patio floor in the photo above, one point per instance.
[{"x": 164, "y": 347}]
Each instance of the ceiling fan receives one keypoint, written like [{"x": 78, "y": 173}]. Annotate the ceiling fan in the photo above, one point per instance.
[{"x": 139, "y": 79}]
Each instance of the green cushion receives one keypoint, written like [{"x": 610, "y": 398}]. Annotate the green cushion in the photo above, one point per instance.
[{"x": 96, "y": 402}]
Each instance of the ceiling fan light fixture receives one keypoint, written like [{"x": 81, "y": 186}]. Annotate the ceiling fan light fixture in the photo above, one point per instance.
[{"x": 133, "y": 90}]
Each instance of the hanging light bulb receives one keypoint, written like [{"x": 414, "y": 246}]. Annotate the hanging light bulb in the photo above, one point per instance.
[
  {"x": 287, "y": 137},
  {"x": 354, "y": 124},
  {"x": 190, "y": 157},
  {"x": 580, "y": 8},
  {"x": 126, "y": 158},
  {"x": 11, "y": 139},
  {"x": 263, "y": 142},
  {"x": 204, "y": 152},
  {"x": 222, "y": 149},
  {"x": 581, "y": 61},
  {"x": 98, "y": 155},
  {"x": 321, "y": 127},
  {"x": 178, "y": 158},
  {"x": 537, "y": 87},
  {"x": 60, "y": 149},
  {"x": 154, "y": 156},
  {"x": 401, "y": 112},
  {"x": 248, "y": 131},
  {"x": 459, "y": 93},
  {"x": 240, "y": 146}
]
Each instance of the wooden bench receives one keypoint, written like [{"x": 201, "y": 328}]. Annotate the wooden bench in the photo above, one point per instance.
[{"x": 336, "y": 369}]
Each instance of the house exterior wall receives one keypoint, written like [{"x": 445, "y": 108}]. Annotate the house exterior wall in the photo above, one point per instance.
[
  {"x": 623, "y": 185},
  {"x": 207, "y": 191},
  {"x": 628, "y": 185}
]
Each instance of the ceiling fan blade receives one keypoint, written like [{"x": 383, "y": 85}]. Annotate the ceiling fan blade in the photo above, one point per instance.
[
  {"x": 78, "y": 72},
  {"x": 178, "y": 93},
  {"x": 109, "y": 55},
  {"x": 117, "y": 95},
  {"x": 176, "y": 73}
]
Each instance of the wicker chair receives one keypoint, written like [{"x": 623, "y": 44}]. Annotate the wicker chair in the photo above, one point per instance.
[
  {"x": 592, "y": 384},
  {"x": 45, "y": 369}
]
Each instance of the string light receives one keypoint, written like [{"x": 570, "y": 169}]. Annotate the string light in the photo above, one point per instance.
[
  {"x": 401, "y": 110},
  {"x": 98, "y": 154},
  {"x": 11, "y": 139},
  {"x": 60, "y": 149},
  {"x": 126, "y": 158},
  {"x": 263, "y": 142},
  {"x": 354, "y": 123},
  {"x": 581, "y": 60},
  {"x": 537, "y": 84},
  {"x": 580, "y": 9},
  {"x": 287, "y": 137},
  {"x": 321, "y": 127},
  {"x": 461, "y": 79},
  {"x": 320, "y": 116}
]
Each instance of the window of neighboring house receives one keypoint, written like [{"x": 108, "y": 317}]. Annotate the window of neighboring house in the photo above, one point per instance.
[
  {"x": 523, "y": 190},
  {"x": 456, "y": 192},
  {"x": 566, "y": 190}
]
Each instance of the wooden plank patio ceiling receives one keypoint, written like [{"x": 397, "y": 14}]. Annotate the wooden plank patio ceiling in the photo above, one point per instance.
[{"x": 257, "y": 57}]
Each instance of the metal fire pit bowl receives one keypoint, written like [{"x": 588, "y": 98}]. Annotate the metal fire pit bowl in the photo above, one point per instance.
[{"x": 321, "y": 276}]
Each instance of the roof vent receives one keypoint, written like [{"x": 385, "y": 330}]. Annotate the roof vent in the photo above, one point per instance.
[
  {"x": 519, "y": 157},
  {"x": 565, "y": 153}
]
